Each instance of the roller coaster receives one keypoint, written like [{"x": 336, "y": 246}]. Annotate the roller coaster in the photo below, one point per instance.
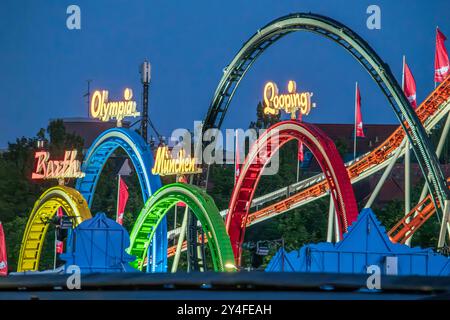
[{"x": 150, "y": 234}]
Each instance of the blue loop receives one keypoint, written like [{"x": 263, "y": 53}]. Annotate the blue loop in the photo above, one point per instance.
[{"x": 142, "y": 158}]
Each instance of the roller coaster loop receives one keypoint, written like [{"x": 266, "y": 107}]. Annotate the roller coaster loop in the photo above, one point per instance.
[
  {"x": 73, "y": 204},
  {"x": 364, "y": 54},
  {"x": 141, "y": 156},
  {"x": 323, "y": 150},
  {"x": 203, "y": 207}
]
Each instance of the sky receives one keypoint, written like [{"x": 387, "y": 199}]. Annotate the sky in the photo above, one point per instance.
[{"x": 44, "y": 65}]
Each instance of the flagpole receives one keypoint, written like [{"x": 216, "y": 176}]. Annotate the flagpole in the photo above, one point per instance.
[
  {"x": 437, "y": 28},
  {"x": 407, "y": 159},
  {"x": 54, "y": 257},
  {"x": 354, "y": 135},
  {"x": 237, "y": 157},
  {"x": 118, "y": 195},
  {"x": 298, "y": 160}
]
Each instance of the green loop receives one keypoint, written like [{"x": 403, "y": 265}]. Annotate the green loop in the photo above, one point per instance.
[{"x": 204, "y": 208}]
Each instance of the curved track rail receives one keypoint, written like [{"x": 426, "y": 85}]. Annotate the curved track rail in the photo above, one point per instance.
[
  {"x": 260, "y": 155},
  {"x": 432, "y": 110},
  {"x": 142, "y": 158},
  {"x": 44, "y": 210},
  {"x": 364, "y": 54},
  {"x": 204, "y": 208}
]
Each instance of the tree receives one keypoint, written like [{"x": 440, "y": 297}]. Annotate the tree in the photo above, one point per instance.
[
  {"x": 264, "y": 121},
  {"x": 18, "y": 192}
]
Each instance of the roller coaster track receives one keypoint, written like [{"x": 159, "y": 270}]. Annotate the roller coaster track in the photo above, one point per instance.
[
  {"x": 374, "y": 65},
  {"x": 141, "y": 156},
  {"x": 260, "y": 154},
  {"x": 432, "y": 110},
  {"x": 204, "y": 208},
  {"x": 43, "y": 211}
]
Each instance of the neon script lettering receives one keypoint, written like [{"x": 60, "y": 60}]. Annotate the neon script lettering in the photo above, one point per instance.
[
  {"x": 104, "y": 110},
  {"x": 166, "y": 165},
  {"x": 290, "y": 102},
  {"x": 69, "y": 167}
]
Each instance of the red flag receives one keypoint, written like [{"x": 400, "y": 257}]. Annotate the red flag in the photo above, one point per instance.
[
  {"x": 60, "y": 212},
  {"x": 59, "y": 246},
  {"x": 358, "y": 115},
  {"x": 121, "y": 200},
  {"x": 3, "y": 256},
  {"x": 441, "y": 62},
  {"x": 237, "y": 161},
  {"x": 409, "y": 86},
  {"x": 300, "y": 155}
]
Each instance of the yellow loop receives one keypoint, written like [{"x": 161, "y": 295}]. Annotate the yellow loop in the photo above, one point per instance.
[{"x": 43, "y": 211}]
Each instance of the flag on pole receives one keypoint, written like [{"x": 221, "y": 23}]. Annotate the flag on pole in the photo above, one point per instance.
[
  {"x": 59, "y": 244},
  {"x": 441, "y": 61},
  {"x": 358, "y": 115},
  {"x": 300, "y": 154},
  {"x": 3, "y": 256},
  {"x": 409, "y": 85},
  {"x": 121, "y": 200},
  {"x": 182, "y": 179},
  {"x": 60, "y": 213},
  {"x": 237, "y": 159}
]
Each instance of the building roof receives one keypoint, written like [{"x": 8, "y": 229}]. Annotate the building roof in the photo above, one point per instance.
[
  {"x": 374, "y": 134},
  {"x": 89, "y": 129}
]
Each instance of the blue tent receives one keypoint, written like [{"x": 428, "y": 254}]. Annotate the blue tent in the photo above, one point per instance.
[
  {"x": 282, "y": 261},
  {"x": 98, "y": 245},
  {"x": 366, "y": 243}
]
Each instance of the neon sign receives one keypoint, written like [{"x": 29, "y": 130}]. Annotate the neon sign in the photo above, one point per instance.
[
  {"x": 291, "y": 102},
  {"x": 103, "y": 109},
  {"x": 69, "y": 167},
  {"x": 166, "y": 165}
]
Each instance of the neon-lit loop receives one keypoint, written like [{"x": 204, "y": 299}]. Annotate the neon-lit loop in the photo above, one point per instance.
[
  {"x": 361, "y": 51},
  {"x": 142, "y": 158},
  {"x": 204, "y": 208},
  {"x": 268, "y": 144},
  {"x": 433, "y": 109},
  {"x": 73, "y": 204}
]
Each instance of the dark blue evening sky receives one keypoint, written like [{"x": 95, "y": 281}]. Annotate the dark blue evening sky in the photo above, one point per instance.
[{"x": 44, "y": 66}]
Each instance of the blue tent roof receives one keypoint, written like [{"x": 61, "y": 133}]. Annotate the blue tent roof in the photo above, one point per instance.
[
  {"x": 366, "y": 243},
  {"x": 98, "y": 245}
]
